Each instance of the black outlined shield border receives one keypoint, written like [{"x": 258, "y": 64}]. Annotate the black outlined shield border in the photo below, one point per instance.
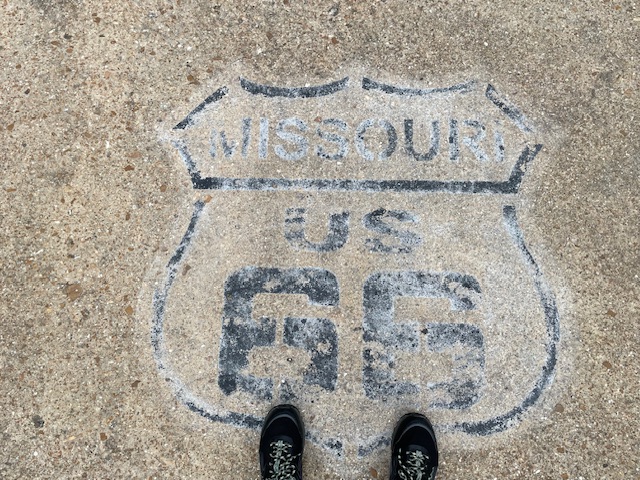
[{"x": 488, "y": 426}]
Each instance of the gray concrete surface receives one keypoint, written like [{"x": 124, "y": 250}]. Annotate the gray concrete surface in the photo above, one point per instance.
[{"x": 112, "y": 360}]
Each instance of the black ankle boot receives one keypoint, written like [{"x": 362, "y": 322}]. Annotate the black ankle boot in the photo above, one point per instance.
[
  {"x": 414, "y": 451},
  {"x": 281, "y": 444}
]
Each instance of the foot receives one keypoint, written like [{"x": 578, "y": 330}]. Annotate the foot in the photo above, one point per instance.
[
  {"x": 281, "y": 444},
  {"x": 414, "y": 451}
]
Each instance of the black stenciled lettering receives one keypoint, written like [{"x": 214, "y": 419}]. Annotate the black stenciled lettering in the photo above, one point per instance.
[
  {"x": 454, "y": 144},
  {"x": 392, "y": 139},
  {"x": 317, "y": 336},
  {"x": 246, "y": 136},
  {"x": 465, "y": 344},
  {"x": 402, "y": 241},
  {"x": 383, "y": 336},
  {"x": 359, "y": 140},
  {"x": 434, "y": 144},
  {"x": 473, "y": 141},
  {"x": 263, "y": 144},
  {"x": 241, "y": 332},
  {"x": 499, "y": 143},
  {"x": 294, "y": 231},
  {"x": 341, "y": 143},
  {"x": 229, "y": 146},
  {"x": 299, "y": 141},
  {"x": 213, "y": 149}
]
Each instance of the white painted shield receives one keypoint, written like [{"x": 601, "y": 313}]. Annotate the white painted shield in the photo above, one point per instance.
[{"x": 358, "y": 254}]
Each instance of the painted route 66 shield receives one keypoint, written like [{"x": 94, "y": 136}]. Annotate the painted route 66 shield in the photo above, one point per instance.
[{"x": 356, "y": 251}]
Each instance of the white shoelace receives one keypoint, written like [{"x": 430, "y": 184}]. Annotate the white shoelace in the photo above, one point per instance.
[
  {"x": 282, "y": 465},
  {"x": 414, "y": 467}
]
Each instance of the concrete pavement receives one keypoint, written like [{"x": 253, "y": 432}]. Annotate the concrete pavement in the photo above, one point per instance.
[{"x": 362, "y": 209}]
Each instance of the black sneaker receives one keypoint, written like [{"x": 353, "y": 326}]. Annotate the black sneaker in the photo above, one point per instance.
[
  {"x": 414, "y": 451},
  {"x": 281, "y": 444}
]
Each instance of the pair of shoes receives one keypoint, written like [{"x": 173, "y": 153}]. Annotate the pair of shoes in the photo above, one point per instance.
[{"x": 414, "y": 448}]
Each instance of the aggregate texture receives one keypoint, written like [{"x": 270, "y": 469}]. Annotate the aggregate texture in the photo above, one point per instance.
[{"x": 98, "y": 192}]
